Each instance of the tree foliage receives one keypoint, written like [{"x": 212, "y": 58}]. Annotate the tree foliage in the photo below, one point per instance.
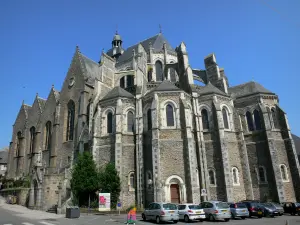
[
  {"x": 109, "y": 182},
  {"x": 84, "y": 180}
]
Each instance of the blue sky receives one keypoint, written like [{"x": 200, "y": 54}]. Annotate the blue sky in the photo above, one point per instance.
[{"x": 252, "y": 39}]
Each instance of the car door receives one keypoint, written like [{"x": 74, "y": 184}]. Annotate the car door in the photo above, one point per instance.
[
  {"x": 149, "y": 215},
  {"x": 203, "y": 206},
  {"x": 181, "y": 211}
]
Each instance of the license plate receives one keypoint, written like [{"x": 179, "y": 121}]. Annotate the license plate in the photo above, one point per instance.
[
  {"x": 198, "y": 212},
  {"x": 259, "y": 213},
  {"x": 171, "y": 211},
  {"x": 224, "y": 210},
  {"x": 243, "y": 210}
]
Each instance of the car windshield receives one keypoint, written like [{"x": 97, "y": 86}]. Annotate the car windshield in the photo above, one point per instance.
[
  {"x": 267, "y": 204},
  {"x": 240, "y": 205},
  {"x": 222, "y": 205},
  {"x": 194, "y": 207},
  {"x": 276, "y": 204},
  {"x": 169, "y": 206},
  {"x": 297, "y": 204}
]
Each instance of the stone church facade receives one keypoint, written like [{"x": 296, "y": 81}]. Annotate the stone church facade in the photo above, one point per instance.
[{"x": 175, "y": 133}]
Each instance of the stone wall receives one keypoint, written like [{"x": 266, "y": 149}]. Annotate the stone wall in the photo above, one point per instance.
[
  {"x": 50, "y": 189},
  {"x": 21, "y": 193}
]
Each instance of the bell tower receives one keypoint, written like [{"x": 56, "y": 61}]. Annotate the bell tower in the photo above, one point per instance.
[{"x": 117, "y": 46}]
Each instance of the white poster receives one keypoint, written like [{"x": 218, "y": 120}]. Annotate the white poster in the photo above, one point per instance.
[{"x": 104, "y": 201}]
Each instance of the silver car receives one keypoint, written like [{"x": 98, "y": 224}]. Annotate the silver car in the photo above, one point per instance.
[
  {"x": 188, "y": 212},
  {"x": 278, "y": 207},
  {"x": 239, "y": 210},
  {"x": 161, "y": 212},
  {"x": 216, "y": 210}
]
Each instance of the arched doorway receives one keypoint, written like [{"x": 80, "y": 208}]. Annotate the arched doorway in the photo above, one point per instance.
[
  {"x": 174, "y": 193},
  {"x": 175, "y": 190}
]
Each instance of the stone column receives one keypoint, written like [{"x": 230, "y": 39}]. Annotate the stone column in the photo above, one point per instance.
[
  {"x": 55, "y": 137},
  {"x": 31, "y": 198},
  {"x": 39, "y": 197},
  {"x": 59, "y": 198}
]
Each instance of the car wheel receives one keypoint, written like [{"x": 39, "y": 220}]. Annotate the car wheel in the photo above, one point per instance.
[
  {"x": 259, "y": 217},
  {"x": 175, "y": 221},
  {"x": 200, "y": 220},
  {"x": 211, "y": 217},
  {"x": 144, "y": 217},
  {"x": 227, "y": 219},
  {"x": 186, "y": 219},
  {"x": 157, "y": 220}
]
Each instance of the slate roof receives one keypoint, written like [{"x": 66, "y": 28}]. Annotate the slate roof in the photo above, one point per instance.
[
  {"x": 157, "y": 42},
  {"x": 166, "y": 85},
  {"x": 117, "y": 92},
  {"x": 3, "y": 157},
  {"x": 91, "y": 67},
  {"x": 297, "y": 143},
  {"x": 209, "y": 89},
  {"x": 248, "y": 88}
]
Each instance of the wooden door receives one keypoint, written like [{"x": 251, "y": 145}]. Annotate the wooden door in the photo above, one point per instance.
[{"x": 175, "y": 196}]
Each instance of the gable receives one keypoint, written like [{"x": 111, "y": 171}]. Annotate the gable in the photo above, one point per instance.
[{"x": 21, "y": 120}]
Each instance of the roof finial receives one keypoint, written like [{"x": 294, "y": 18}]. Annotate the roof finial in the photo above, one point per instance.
[
  {"x": 37, "y": 94},
  {"x": 253, "y": 78},
  {"x": 23, "y": 102},
  {"x": 117, "y": 29},
  {"x": 160, "y": 31},
  {"x": 52, "y": 86}
]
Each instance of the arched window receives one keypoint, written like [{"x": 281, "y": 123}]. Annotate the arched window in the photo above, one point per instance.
[
  {"x": 170, "y": 115},
  {"x": 225, "y": 118},
  {"x": 70, "y": 121},
  {"x": 284, "y": 173},
  {"x": 88, "y": 114},
  {"x": 212, "y": 178},
  {"x": 32, "y": 137},
  {"x": 109, "y": 122},
  {"x": 235, "y": 176},
  {"x": 131, "y": 182},
  {"x": 129, "y": 81},
  {"x": 205, "y": 121},
  {"x": 130, "y": 122},
  {"x": 274, "y": 117},
  {"x": 48, "y": 135},
  {"x": 18, "y": 149},
  {"x": 149, "y": 119},
  {"x": 249, "y": 121},
  {"x": 262, "y": 174},
  {"x": 257, "y": 120},
  {"x": 159, "y": 71},
  {"x": 122, "y": 82}
]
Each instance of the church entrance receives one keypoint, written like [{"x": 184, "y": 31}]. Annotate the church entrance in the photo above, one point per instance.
[{"x": 175, "y": 195}]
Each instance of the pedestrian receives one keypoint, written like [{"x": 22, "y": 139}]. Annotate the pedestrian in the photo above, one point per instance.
[{"x": 131, "y": 216}]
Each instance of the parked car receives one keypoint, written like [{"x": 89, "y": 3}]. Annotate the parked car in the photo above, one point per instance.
[
  {"x": 269, "y": 209},
  {"x": 161, "y": 212},
  {"x": 278, "y": 207},
  {"x": 239, "y": 209},
  {"x": 216, "y": 210},
  {"x": 188, "y": 212},
  {"x": 254, "y": 208},
  {"x": 292, "y": 208}
]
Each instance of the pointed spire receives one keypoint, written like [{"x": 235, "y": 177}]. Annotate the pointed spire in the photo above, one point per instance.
[
  {"x": 23, "y": 102},
  {"x": 52, "y": 86},
  {"x": 160, "y": 30},
  {"x": 37, "y": 94},
  {"x": 116, "y": 28}
]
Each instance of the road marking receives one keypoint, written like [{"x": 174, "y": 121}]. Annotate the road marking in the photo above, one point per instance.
[
  {"x": 46, "y": 223},
  {"x": 7, "y": 224},
  {"x": 27, "y": 224}
]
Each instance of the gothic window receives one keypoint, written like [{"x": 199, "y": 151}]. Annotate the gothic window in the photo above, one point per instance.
[
  {"x": 131, "y": 181},
  {"x": 88, "y": 114},
  {"x": 129, "y": 81},
  {"x": 284, "y": 174},
  {"x": 130, "y": 122},
  {"x": 159, "y": 71},
  {"x": 32, "y": 137},
  {"x": 122, "y": 82},
  {"x": 257, "y": 120},
  {"x": 48, "y": 135},
  {"x": 18, "y": 144},
  {"x": 170, "y": 115},
  {"x": 70, "y": 121},
  {"x": 225, "y": 118},
  {"x": 172, "y": 74},
  {"x": 249, "y": 121},
  {"x": 150, "y": 72},
  {"x": 149, "y": 119},
  {"x": 109, "y": 122},
  {"x": 262, "y": 174},
  {"x": 274, "y": 117},
  {"x": 235, "y": 176},
  {"x": 205, "y": 121},
  {"x": 212, "y": 177}
]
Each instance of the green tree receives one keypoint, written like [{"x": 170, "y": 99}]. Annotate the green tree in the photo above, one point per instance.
[
  {"x": 109, "y": 182},
  {"x": 84, "y": 182}
]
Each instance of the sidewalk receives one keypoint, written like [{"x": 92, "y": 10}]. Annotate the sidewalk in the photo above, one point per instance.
[{"x": 22, "y": 211}]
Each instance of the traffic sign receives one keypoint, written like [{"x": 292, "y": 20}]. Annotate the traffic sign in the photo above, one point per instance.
[
  {"x": 119, "y": 204},
  {"x": 203, "y": 192}
]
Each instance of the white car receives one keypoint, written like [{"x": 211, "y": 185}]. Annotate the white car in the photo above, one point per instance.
[{"x": 188, "y": 212}]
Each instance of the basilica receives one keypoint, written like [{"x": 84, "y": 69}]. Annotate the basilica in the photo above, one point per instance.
[{"x": 175, "y": 133}]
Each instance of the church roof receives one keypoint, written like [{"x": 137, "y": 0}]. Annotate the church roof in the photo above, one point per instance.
[
  {"x": 157, "y": 42},
  {"x": 209, "y": 89},
  {"x": 91, "y": 67},
  {"x": 117, "y": 92},
  {"x": 248, "y": 88},
  {"x": 3, "y": 156},
  {"x": 297, "y": 143},
  {"x": 166, "y": 85}
]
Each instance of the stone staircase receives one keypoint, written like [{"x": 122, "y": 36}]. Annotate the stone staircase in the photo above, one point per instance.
[{"x": 53, "y": 209}]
